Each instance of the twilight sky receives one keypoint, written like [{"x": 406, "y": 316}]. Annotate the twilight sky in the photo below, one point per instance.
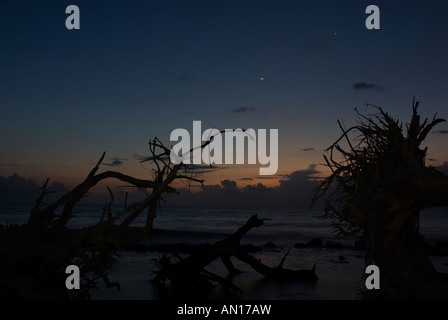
[{"x": 140, "y": 69}]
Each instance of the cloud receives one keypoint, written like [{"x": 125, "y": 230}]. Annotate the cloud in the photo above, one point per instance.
[
  {"x": 228, "y": 184},
  {"x": 201, "y": 169},
  {"x": 295, "y": 189},
  {"x": 318, "y": 46},
  {"x": 308, "y": 149},
  {"x": 367, "y": 86},
  {"x": 116, "y": 162},
  {"x": 186, "y": 77},
  {"x": 195, "y": 169},
  {"x": 443, "y": 131},
  {"x": 18, "y": 189},
  {"x": 443, "y": 168},
  {"x": 139, "y": 157},
  {"x": 244, "y": 109},
  {"x": 300, "y": 176}
]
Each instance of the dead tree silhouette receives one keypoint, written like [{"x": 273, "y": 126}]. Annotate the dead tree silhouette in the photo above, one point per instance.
[
  {"x": 34, "y": 255},
  {"x": 378, "y": 185}
]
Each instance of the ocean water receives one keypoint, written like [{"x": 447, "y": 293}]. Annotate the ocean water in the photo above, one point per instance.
[
  {"x": 339, "y": 269},
  {"x": 286, "y": 225}
]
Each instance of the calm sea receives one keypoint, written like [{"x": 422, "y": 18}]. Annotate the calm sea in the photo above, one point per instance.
[
  {"x": 339, "y": 270},
  {"x": 286, "y": 225}
]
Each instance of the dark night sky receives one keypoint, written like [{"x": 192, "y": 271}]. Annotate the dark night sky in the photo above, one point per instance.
[{"x": 140, "y": 69}]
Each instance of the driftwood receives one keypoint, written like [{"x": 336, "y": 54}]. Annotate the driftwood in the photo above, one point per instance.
[
  {"x": 190, "y": 274},
  {"x": 378, "y": 186},
  {"x": 34, "y": 255}
]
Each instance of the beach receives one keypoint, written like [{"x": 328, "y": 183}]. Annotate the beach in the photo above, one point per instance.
[
  {"x": 339, "y": 266},
  {"x": 337, "y": 278}
]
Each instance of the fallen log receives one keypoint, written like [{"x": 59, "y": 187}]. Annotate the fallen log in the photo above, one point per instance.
[{"x": 189, "y": 273}]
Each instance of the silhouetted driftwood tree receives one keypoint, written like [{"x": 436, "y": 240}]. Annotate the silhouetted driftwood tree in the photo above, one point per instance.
[
  {"x": 34, "y": 255},
  {"x": 378, "y": 186},
  {"x": 165, "y": 173}
]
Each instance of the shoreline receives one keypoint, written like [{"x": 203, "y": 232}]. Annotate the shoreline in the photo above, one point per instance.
[
  {"x": 339, "y": 270},
  {"x": 334, "y": 267}
]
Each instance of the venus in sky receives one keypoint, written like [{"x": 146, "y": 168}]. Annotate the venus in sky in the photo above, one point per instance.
[
  {"x": 80, "y": 104},
  {"x": 106, "y": 87}
]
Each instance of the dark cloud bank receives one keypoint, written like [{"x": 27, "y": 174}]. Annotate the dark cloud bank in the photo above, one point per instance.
[
  {"x": 443, "y": 168},
  {"x": 296, "y": 189},
  {"x": 18, "y": 189}
]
